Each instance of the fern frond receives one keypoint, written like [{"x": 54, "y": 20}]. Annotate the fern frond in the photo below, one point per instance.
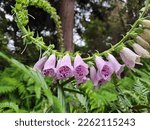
[
  {"x": 9, "y": 105},
  {"x": 8, "y": 85}
]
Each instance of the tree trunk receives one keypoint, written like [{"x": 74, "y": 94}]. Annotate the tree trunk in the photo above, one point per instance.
[{"x": 67, "y": 18}]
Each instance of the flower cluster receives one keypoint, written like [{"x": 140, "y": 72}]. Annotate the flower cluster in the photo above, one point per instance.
[
  {"x": 101, "y": 73},
  {"x": 63, "y": 68}
]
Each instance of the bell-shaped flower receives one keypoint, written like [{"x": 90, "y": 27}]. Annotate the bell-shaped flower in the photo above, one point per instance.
[
  {"x": 142, "y": 42},
  {"x": 101, "y": 80},
  {"x": 81, "y": 81},
  {"x": 140, "y": 51},
  {"x": 49, "y": 67},
  {"x": 118, "y": 68},
  {"x": 146, "y": 35},
  {"x": 64, "y": 68},
  {"x": 146, "y": 23},
  {"x": 96, "y": 78},
  {"x": 40, "y": 63},
  {"x": 93, "y": 76},
  {"x": 80, "y": 68},
  {"x": 129, "y": 57},
  {"x": 105, "y": 69}
]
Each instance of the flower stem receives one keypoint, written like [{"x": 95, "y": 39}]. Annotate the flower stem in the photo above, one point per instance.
[
  {"x": 113, "y": 48},
  {"x": 61, "y": 96}
]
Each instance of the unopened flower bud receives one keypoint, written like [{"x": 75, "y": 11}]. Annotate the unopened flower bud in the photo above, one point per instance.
[
  {"x": 146, "y": 35},
  {"x": 142, "y": 42},
  {"x": 140, "y": 51},
  {"x": 146, "y": 23}
]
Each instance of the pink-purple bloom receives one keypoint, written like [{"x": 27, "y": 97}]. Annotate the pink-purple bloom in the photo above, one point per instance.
[
  {"x": 64, "y": 68},
  {"x": 101, "y": 80},
  {"x": 82, "y": 80},
  {"x": 96, "y": 78},
  {"x": 93, "y": 75},
  {"x": 49, "y": 67},
  {"x": 105, "y": 69},
  {"x": 80, "y": 68},
  {"x": 118, "y": 68},
  {"x": 129, "y": 57},
  {"x": 40, "y": 63}
]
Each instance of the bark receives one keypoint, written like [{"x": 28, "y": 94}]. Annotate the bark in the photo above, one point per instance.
[{"x": 67, "y": 18}]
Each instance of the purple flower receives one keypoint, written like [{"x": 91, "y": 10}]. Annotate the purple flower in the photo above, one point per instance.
[
  {"x": 93, "y": 75},
  {"x": 40, "y": 63},
  {"x": 129, "y": 57},
  {"x": 140, "y": 51},
  {"x": 80, "y": 68},
  {"x": 64, "y": 68},
  {"x": 118, "y": 68},
  {"x": 101, "y": 80},
  {"x": 81, "y": 81},
  {"x": 105, "y": 69},
  {"x": 96, "y": 78},
  {"x": 49, "y": 67}
]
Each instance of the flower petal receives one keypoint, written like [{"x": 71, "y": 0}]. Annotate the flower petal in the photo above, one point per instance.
[
  {"x": 81, "y": 81},
  {"x": 79, "y": 61},
  {"x": 101, "y": 80},
  {"x": 40, "y": 63},
  {"x": 80, "y": 68},
  {"x": 118, "y": 68},
  {"x": 105, "y": 69},
  {"x": 129, "y": 58},
  {"x": 64, "y": 68},
  {"x": 49, "y": 67},
  {"x": 93, "y": 75}
]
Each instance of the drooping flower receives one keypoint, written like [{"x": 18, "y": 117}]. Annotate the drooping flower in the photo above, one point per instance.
[
  {"x": 93, "y": 76},
  {"x": 101, "y": 80},
  {"x": 146, "y": 23},
  {"x": 80, "y": 68},
  {"x": 40, "y": 64},
  {"x": 105, "y": 69},
  {"x": 129, "y": 57},
  {"x": 146, "y": 35},
  {"x": 81, "y": 81},
  {"x": 140, "y": 51},
  {"x": 49, "y": 67},
  {"x": 118, "y": 68},
  {"x": 142, "y": 42},
  {"x": 96, "y": 78},
  {"x": 64, "y": 68}
]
